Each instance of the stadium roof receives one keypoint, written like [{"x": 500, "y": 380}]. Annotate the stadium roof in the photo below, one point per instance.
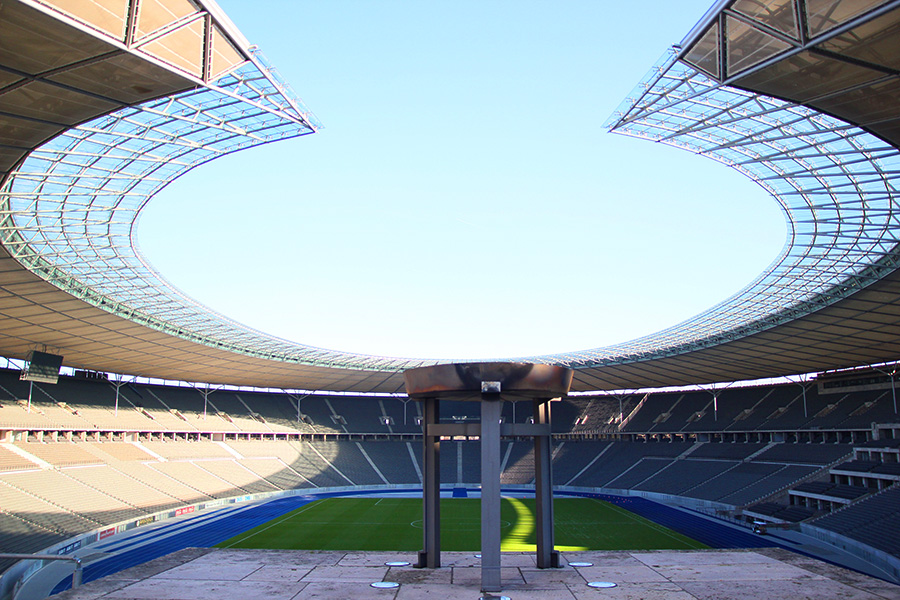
[{"x": 102, "y": 105}]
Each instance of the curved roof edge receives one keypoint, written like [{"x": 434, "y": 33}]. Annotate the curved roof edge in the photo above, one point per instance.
[
  {"x": 68, "y": 208},
  {"x": 834, "y": 181}
]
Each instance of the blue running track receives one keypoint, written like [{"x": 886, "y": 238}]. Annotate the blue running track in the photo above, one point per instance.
[{"x": 714, "y": 535}]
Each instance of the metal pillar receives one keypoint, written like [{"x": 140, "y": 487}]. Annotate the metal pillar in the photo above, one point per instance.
[
  {"x": 547, "y": 557},
  {"x": 893, "y": 390},
  {"x": 430, "y": 555},
  {"x": 298, "y": 399},
  {"x": 118, "y": 385},
  {"x": 490, "y": 492},
  {"x": 805, "y": 413},
  {"x": 492, "y": 380}
]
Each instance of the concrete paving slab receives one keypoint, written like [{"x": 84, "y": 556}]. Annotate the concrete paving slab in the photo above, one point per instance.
[
  {"x": 469, "y": 575},
  {"x": 634, "y": 573},
  {"x": 460, "y": 559},
  {"x": 633, "y": 591},
  {"x": 337, "y": 590},
  {"x": 881, "y": 589},
  {"x": 544, "y": 577},
  {"x": 404, "y": 575},
  {"x": 748, "y": 572},
  {"x": 508, "y": 559},
  {"x": 163, "y": 563},
  {"x": 359, "y": 574},
  {"x": 603, "y": 559},
  {"x": 836, "y": 573},
  {"x": 418, "y": 591},
  {"x": 227, "y": 569},
  {"x": 205, "y": 589},
  {"x": 818, "y": 589},
  {"x": 375, "y": 559},
  {"x": 279, "y": 573},
  {"x": 269, "y": 575},
  {"x": 98, "y": 589},
  {"x": 703, "y": 557},
  {"x": 561, "y": 593}
]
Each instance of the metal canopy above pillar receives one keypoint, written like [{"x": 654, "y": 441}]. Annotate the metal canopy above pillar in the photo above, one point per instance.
[{"x": 490, "y": 384}]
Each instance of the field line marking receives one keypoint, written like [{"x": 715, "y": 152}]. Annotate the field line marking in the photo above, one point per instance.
[
  {"x": 660, "y": 528},
  {"x": 279, "y": 522}
]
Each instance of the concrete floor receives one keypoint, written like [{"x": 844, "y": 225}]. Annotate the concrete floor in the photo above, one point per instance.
[{"x": 211, "y": 574}]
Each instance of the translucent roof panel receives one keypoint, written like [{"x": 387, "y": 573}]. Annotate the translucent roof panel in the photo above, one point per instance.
[
  {"x": 747, "y": 45},
  {"x": 68, "y": 211},
  {"x": 876, "y": 42},
  {"x": 705, "y": 53},
  {"x": 777, "y": 14},
  {"x": 835, "y": 182},
  {"x": 808, "y": 75},
  {"x": 824, "y": 15}
]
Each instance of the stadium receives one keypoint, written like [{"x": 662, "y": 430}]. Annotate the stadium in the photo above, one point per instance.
[{"x": 104, "y": 103}]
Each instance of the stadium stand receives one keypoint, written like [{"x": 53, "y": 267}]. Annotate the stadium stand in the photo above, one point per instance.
[
  {"x": 730, "y": 451},
  {"x": 67, "y": 473},
  {"x": 88, "y": 452},
  {"x": 517, "y": 467},
  {"x": 816, "y": 454},
  {"x": 347, "y": 459},
  {"x": 451, "y": 462},
  {"x": 12, "y": 461},
  {"x": 652, "y": 408},
  {"x": 622, "y": 457},
  {"x": 762, "y": 409},
  {"x": 764, "y": 487},
  {"x": 275, "y": 472},
  {"x": 758, "y": 404},
  {"x": 397, "y": 461},
  {"x": 571, "y": 459},
  {"x": 568, "y": 415},
  {"x": 470, "y": 463},
  {"x": 679, "y": 476},
  {"x": 872, "y": 521}
]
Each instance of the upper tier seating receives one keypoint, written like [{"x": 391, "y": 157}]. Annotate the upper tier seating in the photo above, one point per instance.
[{"x": 762, "y": 408}]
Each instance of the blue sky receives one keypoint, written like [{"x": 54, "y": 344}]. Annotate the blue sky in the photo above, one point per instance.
[{"x": 462, "y": 199}]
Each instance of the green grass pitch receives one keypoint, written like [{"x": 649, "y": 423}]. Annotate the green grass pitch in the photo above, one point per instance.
[{"x": 395, "y": 524}]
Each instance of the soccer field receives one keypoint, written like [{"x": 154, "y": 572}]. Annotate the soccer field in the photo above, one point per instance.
[{"x": 395, "y": 524}]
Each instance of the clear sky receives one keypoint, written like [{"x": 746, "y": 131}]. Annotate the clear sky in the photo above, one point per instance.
[{"x": 462, "y": 199}]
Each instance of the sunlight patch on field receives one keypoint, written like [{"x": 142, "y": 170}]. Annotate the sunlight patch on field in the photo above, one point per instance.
[{"x": 517, "y": 539}]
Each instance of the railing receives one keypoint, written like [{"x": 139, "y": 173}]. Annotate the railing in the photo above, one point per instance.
[{"x": 76, "y": 574}]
